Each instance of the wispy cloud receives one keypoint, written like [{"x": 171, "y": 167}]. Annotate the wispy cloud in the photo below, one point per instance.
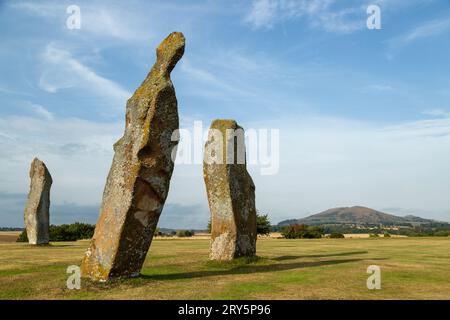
[
  {"x": 319, "y": 13},
  {"x": 378, "y": 88},
  {"x": 40, "y": 110},
  {"x": 97, "y": 20},
  {"x": 436, "y": 112},
  {"x": 41, "y": 8},
  {"x": 341, "y": 17},
  {"x": 428, "y": 29},
  {"x": 117, "y": 22},
  {"x": 60, "y": 70},
  {"x": 263, "y": 14},
  {"x": 218, "y": 87},
  {"x": 13, "y": 92}
]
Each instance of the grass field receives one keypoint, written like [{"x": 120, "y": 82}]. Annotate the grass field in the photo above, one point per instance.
[{"x": 412, "y": 268}]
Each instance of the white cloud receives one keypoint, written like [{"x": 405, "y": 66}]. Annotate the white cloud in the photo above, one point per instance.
[
  {"x": 60, "y": 70},
  {"x": 78, "y": 153},
  {"x": 324, "y": 162},
  {"x": 330, "y": 162},
  {"x": 335, "y": 162}
]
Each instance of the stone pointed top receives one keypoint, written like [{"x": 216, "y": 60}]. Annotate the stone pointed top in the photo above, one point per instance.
[
  {"x": 38, "y": 166},
  {"x": 36, "y": 160},
  {"x": 170, "y": 51}
]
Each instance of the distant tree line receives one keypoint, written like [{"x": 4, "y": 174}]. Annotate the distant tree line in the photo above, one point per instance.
[
  {"x": 79, "y": 231},
  {"x": 10, "y": 229},
  {"x": 423, "y": 230},
  {"x": 336, "y": 235},
  {"x": 302, "y": 231},
  {"x": 65, "y": 232},
  {"x": 184, "y": 233},
  {"x": 172, "y": 233}
]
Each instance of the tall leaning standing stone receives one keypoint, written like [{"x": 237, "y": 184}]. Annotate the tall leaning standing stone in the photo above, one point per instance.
[
  {"x": 36, "y": 215},
  {"x": 231, "y": 192},
  {"x": 139, "y": 178}
]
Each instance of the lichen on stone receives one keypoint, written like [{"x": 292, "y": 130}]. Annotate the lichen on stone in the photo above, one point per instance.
[
  {"x": 139, "y": 178},
  {"x": 37, "y": 210},
  {"x": 231, "y": 196}
]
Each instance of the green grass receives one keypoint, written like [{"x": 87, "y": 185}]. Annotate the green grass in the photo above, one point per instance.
[{"x": 412, "y": 268}]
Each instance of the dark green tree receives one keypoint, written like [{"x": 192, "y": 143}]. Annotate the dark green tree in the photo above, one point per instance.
[
  {"x": 263, "y": 224},
  {"x": 65, "y": 232},
  {"x": 185, "y": 233},
  {"x": 302, "y": 231},
  {"x": 336, "y": 235}
]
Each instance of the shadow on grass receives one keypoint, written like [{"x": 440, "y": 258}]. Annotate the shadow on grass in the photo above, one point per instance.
[
  {"x": 51, "y": 245},
  {"x": 65, "y": 245},
  {"x": 246, "y": 270},
  {"x": 283, "y": 258}
]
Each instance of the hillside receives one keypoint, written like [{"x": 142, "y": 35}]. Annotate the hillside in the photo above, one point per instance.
[{"x": 356, "y": 215}]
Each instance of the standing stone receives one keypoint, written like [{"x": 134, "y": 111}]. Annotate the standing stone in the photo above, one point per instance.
[
  {"x": 139, "y": 178},
  {"x": 231, "y": 192},
  {"x": 36, "y": 213}
]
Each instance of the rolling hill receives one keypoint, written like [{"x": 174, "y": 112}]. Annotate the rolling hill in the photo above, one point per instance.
[{"x": 356, "y": 215}]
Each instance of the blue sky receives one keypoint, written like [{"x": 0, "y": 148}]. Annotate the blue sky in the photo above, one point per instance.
[{"x": 364, "y": 115}]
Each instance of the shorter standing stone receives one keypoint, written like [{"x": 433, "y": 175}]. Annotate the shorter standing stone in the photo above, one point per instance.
[
  {"x": 231, "y": 192},
  {"x": 37, "y": 215}
]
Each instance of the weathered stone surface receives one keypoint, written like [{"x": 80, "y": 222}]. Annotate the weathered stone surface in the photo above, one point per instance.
[
  {"x": 36, "y": 215},
  {"x": 231, "y": 192},
  {"x": 139, "y": 178}
]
